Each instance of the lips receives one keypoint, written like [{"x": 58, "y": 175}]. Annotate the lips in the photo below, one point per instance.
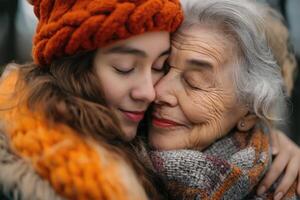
[
  {"x": 164, "y": 123},
  {"x": 135, "y": 116}
]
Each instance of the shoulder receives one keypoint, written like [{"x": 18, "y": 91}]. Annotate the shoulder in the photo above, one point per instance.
[
  {"x": 18, "y": 179},
  {"x": 71, "y": 165},
  {"x": 64, "y": 164},
  {"x": 67, "y": 162}
]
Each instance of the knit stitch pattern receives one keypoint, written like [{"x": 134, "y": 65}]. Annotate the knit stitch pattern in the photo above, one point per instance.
[
  {"x": 69, "y": 27},
  {"x": 76, "y": 167},
  {"x": 18, "y": 180},
  {"x": 229, "y": 169}
]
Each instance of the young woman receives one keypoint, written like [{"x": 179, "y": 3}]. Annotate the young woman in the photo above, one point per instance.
[{"x": 70, "y": 114}]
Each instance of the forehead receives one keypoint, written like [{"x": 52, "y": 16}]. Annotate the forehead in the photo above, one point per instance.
[
  {"x": 205, "y": 41},
  {"x": 150, "y": 44}
]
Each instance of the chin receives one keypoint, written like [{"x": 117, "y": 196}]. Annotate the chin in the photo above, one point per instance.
[
  {"x": 158, "y": 142},
  {"x": 130, "y": 134},
  {"x": 165, "y": 142}
]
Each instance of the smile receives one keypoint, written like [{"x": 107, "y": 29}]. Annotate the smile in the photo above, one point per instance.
[
  {"x": 164, "y": 123},
  {"x": 134, "y": 116}
]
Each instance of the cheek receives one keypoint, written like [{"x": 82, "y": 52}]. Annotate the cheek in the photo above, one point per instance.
[
  {"x": 113, "y": 95},
  {"x": 114, "y": 88},
  {"x": 210, "y": 113},
  {"x": 203, "y": 135},
  {"x": 205, "y": 106}
]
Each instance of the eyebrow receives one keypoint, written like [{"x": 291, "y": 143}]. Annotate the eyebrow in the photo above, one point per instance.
[
  {"x": 133, "y": 51},
  {"x": 199, "y": 63}
]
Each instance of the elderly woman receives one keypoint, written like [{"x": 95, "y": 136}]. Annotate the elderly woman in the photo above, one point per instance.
[{"x": 223, "y": 82}]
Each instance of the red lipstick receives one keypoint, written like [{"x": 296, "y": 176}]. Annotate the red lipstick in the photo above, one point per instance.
[{"x": 164, "y": 123}]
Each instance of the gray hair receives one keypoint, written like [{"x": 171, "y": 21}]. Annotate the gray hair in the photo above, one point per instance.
[{"x": 257, "y": 77}]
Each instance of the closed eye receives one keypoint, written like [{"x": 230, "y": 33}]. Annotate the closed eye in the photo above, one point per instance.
[
  {"x": 123, "y": 71},
  {"x": 191, "y": 85},
  {"x": 158, "y": 69},
  {"x": 189, "y": 82}
]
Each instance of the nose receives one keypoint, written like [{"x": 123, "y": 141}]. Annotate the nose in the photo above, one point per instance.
[
  {"x": 144, "y": 89},
  {"x": 166, "y": 91}
]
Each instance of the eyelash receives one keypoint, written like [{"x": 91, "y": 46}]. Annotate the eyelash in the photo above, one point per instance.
[
  {"x": 158, "y": 70},
  {"x": 123, "y": 72},
  {"x": 189, "y": 84}
]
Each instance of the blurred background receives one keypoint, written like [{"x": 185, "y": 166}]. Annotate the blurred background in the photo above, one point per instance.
[{"x": 17, "y": 24}]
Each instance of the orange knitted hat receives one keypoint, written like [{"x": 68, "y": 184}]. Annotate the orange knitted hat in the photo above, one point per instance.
[{"x": 68, "y": 27}]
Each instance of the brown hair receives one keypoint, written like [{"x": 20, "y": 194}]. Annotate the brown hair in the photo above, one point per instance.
[{"x": 68, "y": 92}]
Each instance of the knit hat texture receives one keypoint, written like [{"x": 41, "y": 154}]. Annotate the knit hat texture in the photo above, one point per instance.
[{"x": 69, "y": 27}]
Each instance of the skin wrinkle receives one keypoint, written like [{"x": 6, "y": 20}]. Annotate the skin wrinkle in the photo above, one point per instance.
[
  {"x": 215, "y": 96},
  {"x": 201, "y": 94},
  {"x": 192, "y": 77},
  {"x": 211, "y": 131},
  {"x": 203, "y": 102},
  {"x": 213, "y": 113},
  {"x": 179, "y": 93},
  {"x": 215, "y": 104},
  {"x": 164, "y": 114},
  {"x": 199, "y": 45}
]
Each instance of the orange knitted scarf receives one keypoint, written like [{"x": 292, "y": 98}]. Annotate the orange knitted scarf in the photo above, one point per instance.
[{"x": 76, "y": 167}]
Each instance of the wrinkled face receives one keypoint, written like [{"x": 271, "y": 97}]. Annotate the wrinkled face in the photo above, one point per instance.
[
  {"x": 128, "y": 71},
  {"x": 196, "y": 102}
]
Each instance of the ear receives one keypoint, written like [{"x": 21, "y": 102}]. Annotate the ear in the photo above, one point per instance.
[{"x": 247, "y": 122}]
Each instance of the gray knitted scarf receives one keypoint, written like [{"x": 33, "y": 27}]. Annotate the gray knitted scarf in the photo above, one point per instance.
[{"x": 228, "y": 169}]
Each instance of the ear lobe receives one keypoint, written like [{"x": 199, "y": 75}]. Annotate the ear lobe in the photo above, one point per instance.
[{"x": 247, "y": 122}]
